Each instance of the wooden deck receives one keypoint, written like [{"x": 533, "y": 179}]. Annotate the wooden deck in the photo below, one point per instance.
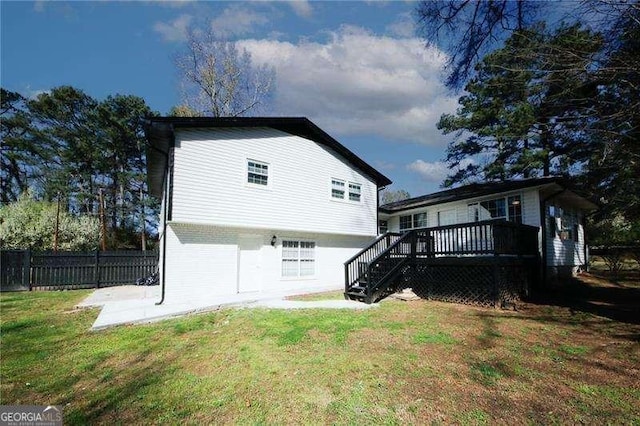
[{"x": 487, "y": 263}]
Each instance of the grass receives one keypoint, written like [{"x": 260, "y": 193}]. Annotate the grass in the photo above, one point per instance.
[{"x": 404, "y": 362}]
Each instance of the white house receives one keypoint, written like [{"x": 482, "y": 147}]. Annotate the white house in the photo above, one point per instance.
[
  {"x": 256, "y": 205},
  {"x": 546, "y": 203}
]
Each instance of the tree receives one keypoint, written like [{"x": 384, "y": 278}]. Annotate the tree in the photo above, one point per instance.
[
  {"x": 18, "y": 157},
  {"x": 221, "y": 80},
  {"x": 65, "y": 142},
  {"x": 65, "y": 120},
  {"x": 469, "y": 29},
  {"x": 526, "y": 109},
  {"x": 389, "y": 196},
  {"x": 123, "y": 170},
  {"x": 27, "y": 223},
  {"x": 613, "y": 172}
]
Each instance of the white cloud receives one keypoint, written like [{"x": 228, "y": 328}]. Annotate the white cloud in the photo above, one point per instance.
[
  {"x": 435, "y": 172},
  {"x": 175, "y": 30},
  {"x": 403, "y": 26},
  {"x": 237, "y": 20},
  {"x": 39, "y": 5},
  {"x": 360, "y": 83},
  {"x": 302, "y": 8}
]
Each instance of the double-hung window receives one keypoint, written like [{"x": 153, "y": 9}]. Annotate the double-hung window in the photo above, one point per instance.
[
  {"x": 355, "y": 191},
  {"x": 509, "y": 208},
  {"x": 257, "y": 173},
  {"x": 337, "y": 189},
  {"x": 405, "y": 223},
  {"x": 343, "y": 190},
  {"x": 418, "y": 220},
  {"x": 298, "y": 258}
]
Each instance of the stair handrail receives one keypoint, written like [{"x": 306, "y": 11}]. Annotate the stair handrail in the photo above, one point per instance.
[
  {"x": 376, "y": 241},
  {"x": 392, "y": 246},
  {"x": 372, "y": 286},
  {"x": 349, "y": 282}
]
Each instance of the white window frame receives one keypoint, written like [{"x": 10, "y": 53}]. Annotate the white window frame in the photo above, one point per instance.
[
  {"x": 299, "y": 259},
  {"x": 349, "y": 190},
  {"x": 400, "y": 222},
  {"x": 383, "y": 226},
  {"x": 258, "y": 173},
  {"x": 413, "y": 221},
  {"x": 338, "y": 185},
  {"x": 355, "y": 189},
  {"x": 473, "y": 209}
]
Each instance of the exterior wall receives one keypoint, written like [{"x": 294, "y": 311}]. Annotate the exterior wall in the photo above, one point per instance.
[
  {"x": 530, "y": 209},
  {"x": 204, "y": 261},
  {"x": 210, "y": 183},
  {"x": 565, "y": 256}
]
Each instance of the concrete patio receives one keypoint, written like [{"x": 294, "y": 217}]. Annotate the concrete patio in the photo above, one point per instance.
[{"x": 137, "y": 304}]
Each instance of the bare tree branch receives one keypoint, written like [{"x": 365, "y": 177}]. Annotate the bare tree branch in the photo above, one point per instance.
[{"x": 220, "y": 80}]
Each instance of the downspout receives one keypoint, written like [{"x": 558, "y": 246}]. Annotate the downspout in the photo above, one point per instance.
[
  {"x": 167, "y": 215},
  {"x": 378, "y": 209},
  {"x": 164, "y": 233},
  {"x": 543, "y": 222},
  {"x": 166, "y": 179}
]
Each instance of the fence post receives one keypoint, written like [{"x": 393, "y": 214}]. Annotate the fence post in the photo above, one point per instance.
[
  {"x": 96, "y": 270},
  {"x": 26, "y": 269}
]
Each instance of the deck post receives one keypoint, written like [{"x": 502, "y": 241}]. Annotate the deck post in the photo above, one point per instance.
[
  {"x": 368, "y": 288},
  {"x": 496, "y": 281},
  {"x": 414, "y": 243}
]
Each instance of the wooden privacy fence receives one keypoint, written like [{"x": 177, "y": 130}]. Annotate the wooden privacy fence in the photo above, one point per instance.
[{"x": 27, "y": 270}]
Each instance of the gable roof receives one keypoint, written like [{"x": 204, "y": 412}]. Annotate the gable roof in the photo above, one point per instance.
[
  {"x": 552, "y": 184},
  {"x": 160, "y": 134}
]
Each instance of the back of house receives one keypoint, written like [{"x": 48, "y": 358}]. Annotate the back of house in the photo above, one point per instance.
[{"x": 253, "y": 205}]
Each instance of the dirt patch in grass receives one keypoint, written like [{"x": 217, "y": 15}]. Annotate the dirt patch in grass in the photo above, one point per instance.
[{"x": 554, "y": 361}]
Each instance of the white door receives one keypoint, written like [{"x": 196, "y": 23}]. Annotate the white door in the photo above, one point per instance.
[{"x": 249, "y": 263}]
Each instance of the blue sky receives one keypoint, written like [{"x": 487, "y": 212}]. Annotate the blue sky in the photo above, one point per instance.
[{"x": 354, "y": 68}]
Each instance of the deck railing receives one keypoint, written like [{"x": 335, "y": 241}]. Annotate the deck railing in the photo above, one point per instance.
[
  {"x": 490, "y": 237},
  {"x": 367, "y": 271}
]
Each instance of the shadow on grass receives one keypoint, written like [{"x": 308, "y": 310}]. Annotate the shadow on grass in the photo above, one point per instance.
[{"x": 594, "y": 295}]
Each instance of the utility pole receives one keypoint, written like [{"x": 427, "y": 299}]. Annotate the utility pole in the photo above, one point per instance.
[
  {"x": 103, "y": 225},
  {"x": 143, "y": 236},
  {"x": 57, "y": 231}
]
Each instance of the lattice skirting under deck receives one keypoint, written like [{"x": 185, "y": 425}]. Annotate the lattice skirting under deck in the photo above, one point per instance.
[{"x": 479, "y": 281}]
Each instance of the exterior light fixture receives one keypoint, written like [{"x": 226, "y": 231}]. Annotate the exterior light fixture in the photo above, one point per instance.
[{"x": 273, "y": 241}]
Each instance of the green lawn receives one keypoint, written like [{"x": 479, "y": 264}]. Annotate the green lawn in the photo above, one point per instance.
[{"x": 405, "y": 362}]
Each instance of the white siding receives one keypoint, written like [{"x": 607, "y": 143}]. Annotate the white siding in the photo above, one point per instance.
[
  {"x": 530, "y": 209},
  {"x": 210, "y": 183},
  {"x": 202, "y": 261},
  {"x": 565, "y": 252}
]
